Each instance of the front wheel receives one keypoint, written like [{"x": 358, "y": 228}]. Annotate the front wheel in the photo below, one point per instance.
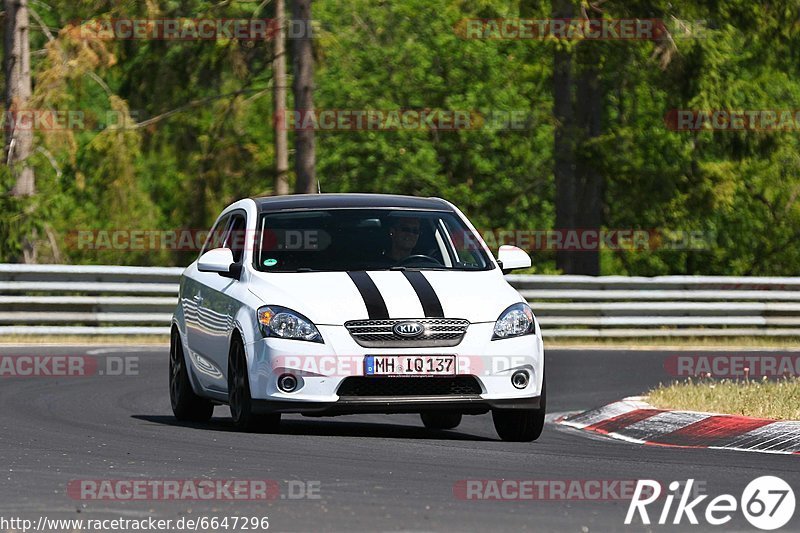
[
  {"x": 239, "y": 398},
  {"x": 521, "y": 425},
  {"x": 186, "y": 405}
]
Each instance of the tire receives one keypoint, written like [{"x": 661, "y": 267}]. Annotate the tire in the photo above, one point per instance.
[
  {"x": 239, "y": 399},
  {"x": 186, "y": 405},
  {"x": 521, "y": 425},
  {"x": 440, "y": 419}
]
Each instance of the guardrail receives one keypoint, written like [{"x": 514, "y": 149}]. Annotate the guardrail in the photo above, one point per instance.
[
  {"x": 115, "y": 300},
  {"x": 664, "y": 306},
  {"x": 86, "y": 300}
]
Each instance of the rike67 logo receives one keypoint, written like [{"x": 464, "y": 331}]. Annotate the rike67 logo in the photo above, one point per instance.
[{"x": 767, "y": 503}]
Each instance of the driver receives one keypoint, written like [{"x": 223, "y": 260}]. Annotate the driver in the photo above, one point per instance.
[{"x": 404, "y": 234}]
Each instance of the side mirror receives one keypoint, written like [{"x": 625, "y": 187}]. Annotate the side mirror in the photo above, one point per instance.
[
  {"x": 219, "y": 260},
  {"x": 512, "y": 258}
]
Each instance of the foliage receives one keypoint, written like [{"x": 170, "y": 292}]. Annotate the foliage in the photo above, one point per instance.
[{"x": 175, "y": 130}]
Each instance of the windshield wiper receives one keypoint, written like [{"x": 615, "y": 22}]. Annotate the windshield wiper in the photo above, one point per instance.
[{"x": 419, "y": 268}]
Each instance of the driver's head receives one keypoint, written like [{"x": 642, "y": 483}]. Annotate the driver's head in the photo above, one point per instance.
[{"x": 404, "y": 233}]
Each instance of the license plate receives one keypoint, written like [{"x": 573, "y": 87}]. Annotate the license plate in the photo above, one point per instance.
[{"x": 410, "y": 365}]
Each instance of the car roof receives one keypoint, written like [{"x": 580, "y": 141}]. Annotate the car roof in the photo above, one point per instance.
[{"x": 349, "y": 200}]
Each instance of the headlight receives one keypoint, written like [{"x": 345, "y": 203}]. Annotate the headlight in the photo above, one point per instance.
[
  {"x": 515, "y": 321},
  {"x": 276, "y": 321}
]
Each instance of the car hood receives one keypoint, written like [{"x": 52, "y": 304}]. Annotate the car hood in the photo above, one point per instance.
[{"x": 333, "y": 298}]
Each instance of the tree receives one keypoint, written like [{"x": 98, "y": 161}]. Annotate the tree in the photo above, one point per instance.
[
  {"x": 303, "y": 67},
  {"x": 19, "y": 140},
  {"x": 279, "y": 103},
  {"x": 564, "y": 136},
  {"x": 577, "y": 107},
  {"x": 589, "y": 180},
  {"x": 198, "y": 117}
]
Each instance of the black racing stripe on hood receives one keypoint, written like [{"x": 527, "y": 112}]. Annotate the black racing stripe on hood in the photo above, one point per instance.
[
  {"x": 431, "y": 305},
  {"x": 376, "y": 306}
]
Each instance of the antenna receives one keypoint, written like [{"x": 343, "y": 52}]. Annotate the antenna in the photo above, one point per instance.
[{"x": 319, "y": 187}]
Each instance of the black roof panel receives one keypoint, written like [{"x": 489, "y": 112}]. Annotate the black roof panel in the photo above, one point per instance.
[{"x": 348, "y": 200}]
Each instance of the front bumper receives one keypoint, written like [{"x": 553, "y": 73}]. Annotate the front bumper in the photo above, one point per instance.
[
  {"x": 322, "y": 368},
  {"x": 394, "y": 405}
]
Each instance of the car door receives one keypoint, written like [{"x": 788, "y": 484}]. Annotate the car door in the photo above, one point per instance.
[
  {"x": 192, "y": 290},
  {"x": 218, "y": 306}
]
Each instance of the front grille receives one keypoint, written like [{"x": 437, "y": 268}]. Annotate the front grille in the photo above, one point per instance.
[
  {"x": 380, "y": 333},
  {"x": 410, "y": 386}
]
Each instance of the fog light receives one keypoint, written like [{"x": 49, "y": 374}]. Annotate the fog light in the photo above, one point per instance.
[
  {"x": 287, "y": 383},
  {"x": 520, "y": 379}
]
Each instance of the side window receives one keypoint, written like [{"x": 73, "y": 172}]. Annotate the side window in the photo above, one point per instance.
[
  {"x": 236, "y": 237},
  {"x": 216, "y": 237},
  {"x": 464, "y": 243}
]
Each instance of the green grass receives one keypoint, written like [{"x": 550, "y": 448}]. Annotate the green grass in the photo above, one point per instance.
[{"x": 757, "y": 398}]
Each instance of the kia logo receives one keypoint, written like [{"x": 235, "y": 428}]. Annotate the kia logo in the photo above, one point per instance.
[{"x": 408, "y": 329}]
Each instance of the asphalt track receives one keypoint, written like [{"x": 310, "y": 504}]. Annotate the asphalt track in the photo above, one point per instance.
[{"x": 375, "y": 473}]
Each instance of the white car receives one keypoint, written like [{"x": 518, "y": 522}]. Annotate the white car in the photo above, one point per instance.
[{"x": 333, "y": 304}]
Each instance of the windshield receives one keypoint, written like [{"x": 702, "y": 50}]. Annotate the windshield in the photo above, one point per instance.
[{"x": 366, "y": 239}]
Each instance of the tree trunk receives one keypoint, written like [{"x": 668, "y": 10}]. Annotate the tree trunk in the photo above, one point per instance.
[
  {"x": 564, "y": 141},
  {"x": 578, "y": 109},
  {"x": 19, "y": 141},
  {"x": 303, "y": 67},
  {"x": 589, "y": 186},
  {"x": 281, "y": 185}
]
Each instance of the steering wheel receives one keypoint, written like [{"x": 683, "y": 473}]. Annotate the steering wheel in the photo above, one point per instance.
[{"x": 420, "y": 258}]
